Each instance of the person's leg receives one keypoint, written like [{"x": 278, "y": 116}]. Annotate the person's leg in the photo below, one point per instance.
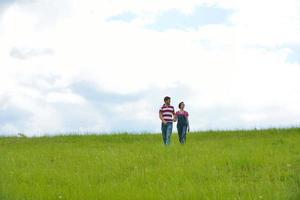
[
  {"x": 169, "y": 132},
  {"x": 183, "y": 134},
  {"x": 179, "y": 130},
  {"x": 164, "y": 132}
]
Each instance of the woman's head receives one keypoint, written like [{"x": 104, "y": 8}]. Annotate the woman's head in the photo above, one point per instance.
[{"x": 181, "y": 105}]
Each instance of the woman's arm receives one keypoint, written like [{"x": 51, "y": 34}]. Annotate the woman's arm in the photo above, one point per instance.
[{"x": 188, "y": 123}]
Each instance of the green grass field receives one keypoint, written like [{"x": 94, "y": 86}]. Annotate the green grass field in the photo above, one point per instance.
[{"x": 211, "y": 165}]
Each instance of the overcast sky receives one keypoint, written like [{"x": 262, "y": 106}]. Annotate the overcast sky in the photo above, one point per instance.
[{"x": 105, "y": 65}]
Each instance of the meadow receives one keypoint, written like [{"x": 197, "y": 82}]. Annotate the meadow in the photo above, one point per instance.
[{"x": 217, "y": 165}]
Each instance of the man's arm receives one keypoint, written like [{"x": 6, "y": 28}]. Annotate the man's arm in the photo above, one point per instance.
[
  {"x": 175, "y": 117},
  {"x": 161, "y": 117}
]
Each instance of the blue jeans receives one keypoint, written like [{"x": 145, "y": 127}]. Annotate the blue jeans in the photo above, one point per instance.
[
  {"x": 182, "y": 133},
  {"x": 166, "y": 130}
]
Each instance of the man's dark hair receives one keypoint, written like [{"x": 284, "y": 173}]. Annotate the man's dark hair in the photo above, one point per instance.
[
  {"x": 180, "y": 104},
  {"x": 167, "y": 98}
]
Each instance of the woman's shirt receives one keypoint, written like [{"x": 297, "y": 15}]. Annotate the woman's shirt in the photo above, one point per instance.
[{"x": 182, "y": 117}]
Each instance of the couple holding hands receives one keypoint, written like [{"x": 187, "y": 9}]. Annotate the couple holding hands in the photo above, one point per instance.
[{"x": 168, "y": 115}]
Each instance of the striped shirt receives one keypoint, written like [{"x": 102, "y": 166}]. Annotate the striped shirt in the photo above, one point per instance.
[{"x": 167, "y": 112}]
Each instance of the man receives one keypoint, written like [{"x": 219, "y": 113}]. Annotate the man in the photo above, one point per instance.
[{"x": 166, "y": 114}]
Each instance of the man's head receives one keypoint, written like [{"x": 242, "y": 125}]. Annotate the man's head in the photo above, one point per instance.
[{"x": 167, "y": 100}]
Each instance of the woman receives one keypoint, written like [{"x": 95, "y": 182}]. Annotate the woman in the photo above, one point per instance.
[{"x": 182, "y": 118}]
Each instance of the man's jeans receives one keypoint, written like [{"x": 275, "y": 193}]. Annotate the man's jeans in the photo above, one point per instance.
[
  {"x": 166, "y": 130},
  {"x": 182, "y": 133}
]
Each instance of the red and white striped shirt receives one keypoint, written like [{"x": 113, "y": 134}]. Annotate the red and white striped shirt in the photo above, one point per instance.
[{"x": 167, "y": 112}]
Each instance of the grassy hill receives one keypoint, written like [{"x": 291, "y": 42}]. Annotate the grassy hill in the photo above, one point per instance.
[{"x": 211, "y": 165}]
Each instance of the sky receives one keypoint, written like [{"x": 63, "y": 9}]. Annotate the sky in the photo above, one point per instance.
[{"x": 104, "y": 66}]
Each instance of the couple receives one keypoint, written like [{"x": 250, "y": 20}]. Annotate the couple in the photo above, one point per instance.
[{"x": 168, "y": 116}]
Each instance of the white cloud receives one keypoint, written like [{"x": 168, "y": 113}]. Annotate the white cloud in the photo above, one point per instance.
[{"x": 64, "y": 97}]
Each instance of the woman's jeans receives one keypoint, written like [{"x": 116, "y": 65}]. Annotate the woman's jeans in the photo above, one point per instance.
[
  {"x": 166, "y": 130},
  {"x": 182, "y": 129}
]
